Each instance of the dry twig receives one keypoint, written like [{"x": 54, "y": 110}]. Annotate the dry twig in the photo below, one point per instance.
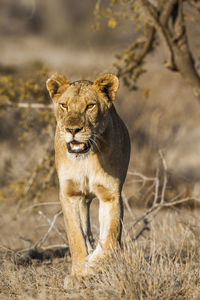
[
  {"x": 29, "y": 105},
  {"x": 158, "y": 202},
  {"x": 41, "y": 204},
  {"x": 128, "y": 206},
  {"x": 52, "y": 225}
]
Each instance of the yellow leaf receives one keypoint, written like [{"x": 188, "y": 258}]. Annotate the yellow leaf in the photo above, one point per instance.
[
  {"x": 146, "y": 92},
  {"x": 113, "y": 2},
  {"x": 112, "y": 23}
]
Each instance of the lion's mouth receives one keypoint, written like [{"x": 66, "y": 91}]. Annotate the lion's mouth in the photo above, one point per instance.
[{"x": 77, "y": 147}]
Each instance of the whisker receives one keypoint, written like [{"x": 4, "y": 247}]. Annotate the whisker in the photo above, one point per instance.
[
  {"x": 99, "y": 137},
  {"x": 92, "y": 141}
]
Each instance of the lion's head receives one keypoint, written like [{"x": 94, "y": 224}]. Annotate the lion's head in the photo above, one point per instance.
[{"x": 81, "y": 109}]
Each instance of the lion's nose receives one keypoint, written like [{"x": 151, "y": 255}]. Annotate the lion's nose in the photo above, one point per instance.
[{"x": 73, "y": 131}]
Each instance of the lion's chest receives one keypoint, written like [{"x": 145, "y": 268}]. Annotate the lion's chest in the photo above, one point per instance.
[{"x": 84, "y": 174}]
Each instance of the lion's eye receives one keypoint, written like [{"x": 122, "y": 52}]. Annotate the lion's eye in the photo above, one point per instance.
[
  {"x": 64, "y": 105},
  {"x": 90, "y": 106}
]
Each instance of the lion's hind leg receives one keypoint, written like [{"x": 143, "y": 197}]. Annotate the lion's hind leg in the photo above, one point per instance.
[{"x": 84, "y": 209}]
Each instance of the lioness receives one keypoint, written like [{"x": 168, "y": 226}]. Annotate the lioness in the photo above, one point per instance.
[{"x": 92, "y": 149}]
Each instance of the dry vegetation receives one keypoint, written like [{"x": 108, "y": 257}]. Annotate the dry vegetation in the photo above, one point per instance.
[{"x": 164, "y": 264}]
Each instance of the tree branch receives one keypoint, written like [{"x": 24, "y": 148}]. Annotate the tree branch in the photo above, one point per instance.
[
  {"x": 154, "y": 13},
  {"x": 29, "y": 105},
  {"x": 138, "y": 59},
  {"x": 165, "y": 13},
  {"x": 195, "y": 4},
  {"x": 179, "y": 55}
]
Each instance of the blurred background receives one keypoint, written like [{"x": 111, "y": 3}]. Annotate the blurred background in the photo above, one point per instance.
[
  {"x": 39, "y": 38},
  {"x": 82, "y": 40}
]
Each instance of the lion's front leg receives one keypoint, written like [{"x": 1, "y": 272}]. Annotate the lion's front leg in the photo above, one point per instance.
[
  {"x": 76, "y": 238},
  {"x": 110, "y": 219},
  {"x": 71, "y": 200}
]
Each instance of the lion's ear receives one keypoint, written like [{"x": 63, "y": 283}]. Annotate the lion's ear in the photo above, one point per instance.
[
  {"x": 107, "y": 84},
  {"x": 56, "y": 85}
]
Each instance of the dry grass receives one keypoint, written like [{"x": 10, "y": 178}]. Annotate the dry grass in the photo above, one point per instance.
[{"x": 163, "y": 264}]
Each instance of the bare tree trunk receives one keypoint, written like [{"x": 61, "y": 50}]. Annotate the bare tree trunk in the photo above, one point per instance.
[
  {"x": 169, "y": 22},
  {"x": 185, "y": 65}
]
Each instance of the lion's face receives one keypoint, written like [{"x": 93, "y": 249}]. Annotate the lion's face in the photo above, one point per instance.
[{"x": 81, "y": 110}]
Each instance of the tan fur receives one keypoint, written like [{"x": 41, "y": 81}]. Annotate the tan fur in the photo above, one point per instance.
[{"x": 89, "y": 115}]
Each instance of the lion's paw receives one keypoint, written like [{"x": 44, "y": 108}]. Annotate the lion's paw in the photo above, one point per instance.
[
  {"x": 94, "y": 263},
  {"x": 72, "y": 282}
]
